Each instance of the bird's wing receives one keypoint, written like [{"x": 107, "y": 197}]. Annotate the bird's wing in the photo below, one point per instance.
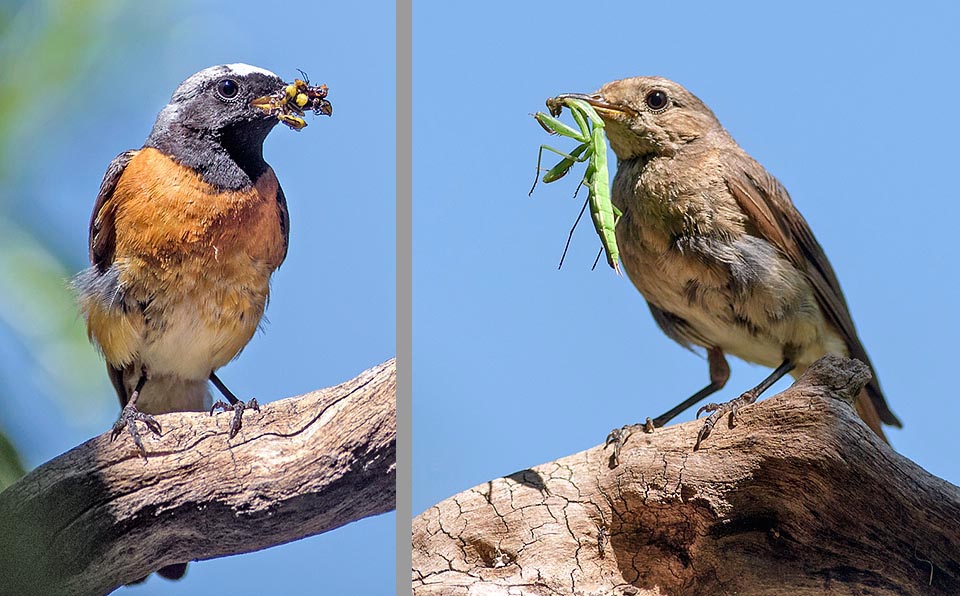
[
  {"x": 102, "y": 242},
  {"x": 284, "y": 221},
  {"x": 102, "y": 236},
  {"x": 768, "y": 205}
]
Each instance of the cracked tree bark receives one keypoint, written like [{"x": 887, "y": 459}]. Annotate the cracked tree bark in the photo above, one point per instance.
[
  {"x": 799, "y": 498},
  {"x": 99, "y": 516}
]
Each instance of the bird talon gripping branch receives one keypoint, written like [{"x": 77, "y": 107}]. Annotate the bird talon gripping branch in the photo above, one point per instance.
[
  {"x": 129, "y": 416},
  {"x": 617, "y": 438},
  {"x": 237, "y": 408}
]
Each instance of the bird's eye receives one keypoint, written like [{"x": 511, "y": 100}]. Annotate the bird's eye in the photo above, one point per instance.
[
  {"x": 228, "y": 88},
  {"x": 657, "y": 100}
]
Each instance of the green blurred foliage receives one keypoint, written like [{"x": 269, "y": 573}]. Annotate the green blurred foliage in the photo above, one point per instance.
[
  {"x": 11, "y": 468},
  {"x": 44, "y": 47}
]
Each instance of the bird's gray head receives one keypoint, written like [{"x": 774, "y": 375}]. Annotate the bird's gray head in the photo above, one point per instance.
[
  {"x": 211, "y": 117},
  {"x": 218, "y": 98},
  {"x": 650, "y": 116}
]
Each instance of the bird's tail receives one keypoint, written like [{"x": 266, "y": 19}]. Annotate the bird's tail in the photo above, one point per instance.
[
  {"x": 868, "y": 412},
  {"x": 174, "y": 571}
]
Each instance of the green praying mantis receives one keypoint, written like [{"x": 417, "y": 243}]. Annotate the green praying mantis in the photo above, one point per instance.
[{"x": 593, "y": 149}]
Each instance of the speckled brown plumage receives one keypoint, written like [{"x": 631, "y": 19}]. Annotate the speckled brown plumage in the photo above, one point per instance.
[{"x": 716, "y": 246}]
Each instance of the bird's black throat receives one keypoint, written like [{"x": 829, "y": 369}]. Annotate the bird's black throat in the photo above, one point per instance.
[{"x": 229, "y": 159}]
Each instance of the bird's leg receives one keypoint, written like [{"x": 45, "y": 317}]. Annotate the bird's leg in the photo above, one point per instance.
[
  {"x": 732, "y": 406},
  {"x": 719, "y": 374},
  {"x": 235, "y": 404},
  {"x": 129, "y": 416}
]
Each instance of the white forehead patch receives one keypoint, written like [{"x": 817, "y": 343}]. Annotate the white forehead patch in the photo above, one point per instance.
[
  {"x": 242, "y": 70},
  {"x": 194, "y": 85}
]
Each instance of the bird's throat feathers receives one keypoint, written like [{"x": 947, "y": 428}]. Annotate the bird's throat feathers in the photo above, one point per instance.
[
  {"x": 228, "y": 159},
  {"x": 649, "y": 191}
]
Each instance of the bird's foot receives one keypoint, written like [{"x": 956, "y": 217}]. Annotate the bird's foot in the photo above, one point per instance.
[
  {"x": 617, "y": 438},
  {"x": 650, "y": 425},
  {"x": 717, "y": 412},
  {"x": 128, "y": 419},
  {"x": 238, "y": 409}
]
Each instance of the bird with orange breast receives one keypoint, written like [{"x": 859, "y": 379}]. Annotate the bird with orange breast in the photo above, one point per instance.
[{"x": 184, "y": 237}]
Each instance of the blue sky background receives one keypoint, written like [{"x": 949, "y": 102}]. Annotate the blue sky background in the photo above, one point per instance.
[
  {"x": 332, "y": 310},
  {"x": 516, "y": 363}
]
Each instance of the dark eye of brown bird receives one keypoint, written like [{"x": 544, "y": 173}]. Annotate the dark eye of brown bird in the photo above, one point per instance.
[
  {"x": 228, "y": 88},
  {"x": 656, "y": 100}
]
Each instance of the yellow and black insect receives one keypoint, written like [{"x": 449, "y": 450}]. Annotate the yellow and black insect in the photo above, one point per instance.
[{"x": 290, "y": 103}]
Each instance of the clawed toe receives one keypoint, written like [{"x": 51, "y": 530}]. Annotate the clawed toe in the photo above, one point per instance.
[
  {"x": 649, "y": 425},
  {"x": 128, "y": 419},
  {"x": 238, "y": 409},
  {"x": 617, "y": 438},
  {"x": 717, "y": 411},
  {"x": 710, "y": 407},
  {"x": 704, "y": 431}
]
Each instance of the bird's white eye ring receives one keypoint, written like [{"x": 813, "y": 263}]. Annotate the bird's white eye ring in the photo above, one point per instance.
[
  {"x": 228, "y": 88},
  {"x": 657, "y": 100}
]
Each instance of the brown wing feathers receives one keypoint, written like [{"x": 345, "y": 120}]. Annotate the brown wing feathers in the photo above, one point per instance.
[{"x": 768, "y": 205}]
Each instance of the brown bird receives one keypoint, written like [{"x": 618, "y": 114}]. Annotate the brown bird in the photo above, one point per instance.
[{"x": 717, "y": 248}]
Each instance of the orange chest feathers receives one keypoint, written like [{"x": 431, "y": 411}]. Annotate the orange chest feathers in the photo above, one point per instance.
[
  {"x": 167, "y": 216},
  {"x": 193, "y": 266}
]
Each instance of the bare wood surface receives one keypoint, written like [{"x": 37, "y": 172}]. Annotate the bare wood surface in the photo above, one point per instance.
[
  {"x": 100, "y": 516},
  {"x": 799, "y": 498}
]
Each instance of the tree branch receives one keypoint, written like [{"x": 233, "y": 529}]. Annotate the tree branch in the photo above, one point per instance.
[
  {"x": 799, "y": 498},
  {"x": 100, "y": 516}
]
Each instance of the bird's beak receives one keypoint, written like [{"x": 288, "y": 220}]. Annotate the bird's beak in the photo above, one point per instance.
[
  {"x": 265, "y": 103},
  {"x": 605, "y": 109},
  {"x": 289, "y": 103}
]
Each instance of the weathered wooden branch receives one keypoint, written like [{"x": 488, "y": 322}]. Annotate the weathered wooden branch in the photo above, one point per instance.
[
  {"x": 100, "y": 516},
  {"x": 799, "y": 498}
]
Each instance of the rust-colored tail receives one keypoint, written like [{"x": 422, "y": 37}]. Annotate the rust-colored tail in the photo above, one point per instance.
[{"x": 868, "y": 412}]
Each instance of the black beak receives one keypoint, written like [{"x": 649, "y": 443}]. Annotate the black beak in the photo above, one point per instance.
[{"x": 601, "y": 105}]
